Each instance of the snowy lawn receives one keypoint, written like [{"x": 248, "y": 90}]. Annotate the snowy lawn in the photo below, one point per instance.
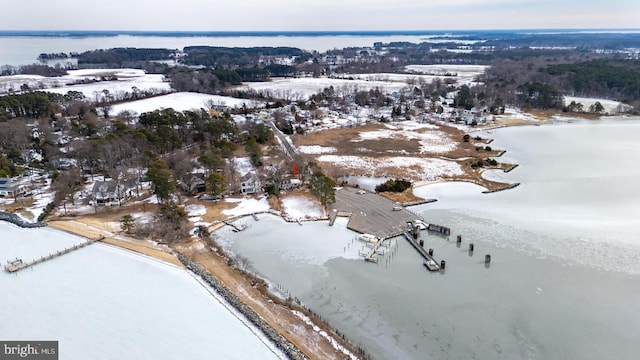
[
  {"x": 299, "y": 207},
  {"x": 246, "y": 206},
  {"x": 195, "y": 212}
]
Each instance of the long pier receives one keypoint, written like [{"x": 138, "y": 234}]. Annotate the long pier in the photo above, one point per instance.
[
  {"x": 428, "y": 258},
  {"x": 18, "y": 264}
]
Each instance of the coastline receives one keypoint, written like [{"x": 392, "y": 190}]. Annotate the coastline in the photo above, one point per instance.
[{"x": 274, "y": 318}]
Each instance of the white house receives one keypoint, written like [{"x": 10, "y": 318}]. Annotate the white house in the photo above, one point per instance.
[
  {"x": 250, "y": 184},
  {"x": 8, "y": 187},
  {"x": 289, "y": 183}
]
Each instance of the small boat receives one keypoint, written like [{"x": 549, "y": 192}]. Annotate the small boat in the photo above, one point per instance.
[
  {"x": 367, "y": 238},
  {"x": 421, "y": 224},
  {"x": 431, "y": 265}
]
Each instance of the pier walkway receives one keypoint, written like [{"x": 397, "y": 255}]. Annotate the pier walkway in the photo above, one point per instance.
[
  {"x": 18, "y": 264},
  {"x": 428, "y": 258}
]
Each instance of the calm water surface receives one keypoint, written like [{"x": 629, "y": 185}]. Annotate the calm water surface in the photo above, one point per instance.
[{"x": 25, "y": 50}]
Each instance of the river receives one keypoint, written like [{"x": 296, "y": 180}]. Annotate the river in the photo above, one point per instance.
[
  {"x": 22, "y": 50},
  {"x": 564, "y": 278}
]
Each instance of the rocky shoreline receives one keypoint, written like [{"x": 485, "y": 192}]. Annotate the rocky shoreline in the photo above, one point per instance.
[
  {"x": 280, "y": 341},
  {"x": 17, "y": 220}
]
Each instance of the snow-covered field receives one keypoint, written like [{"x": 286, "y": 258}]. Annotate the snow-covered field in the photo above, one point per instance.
[
  {"x": 465, "y": 73},
  {"x": 610, "y": 106},
  {"x": 424, "y": 169},
  {"x": 316, "y": 149},
  {"x": 127, "y": 80},
  {"x": 431, "y": 141},
  {"x": 181, "y": 101},
  {"x": 302, "y": 88}
]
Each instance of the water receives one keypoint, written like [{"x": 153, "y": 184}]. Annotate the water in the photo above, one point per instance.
[
  {"x": 565, "y": 271},
  {"x": 20, "y": 50},
  {"x": 101, "y": 302}
]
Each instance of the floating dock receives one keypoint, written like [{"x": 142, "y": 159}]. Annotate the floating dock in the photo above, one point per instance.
[
  {"x": 371, "y": 256},
  {"x": 18, "y": 264}
]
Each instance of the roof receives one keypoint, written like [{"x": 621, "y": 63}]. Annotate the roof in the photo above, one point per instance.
[
  {"x": 104, "y": 186},
  {"x": 249, "y": 177}
]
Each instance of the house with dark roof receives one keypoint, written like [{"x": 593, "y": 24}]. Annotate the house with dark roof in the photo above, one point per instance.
[{"x": 109, "y": 192}]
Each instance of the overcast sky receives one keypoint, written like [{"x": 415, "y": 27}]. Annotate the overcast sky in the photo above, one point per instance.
[{"x": 275, "y": 15}]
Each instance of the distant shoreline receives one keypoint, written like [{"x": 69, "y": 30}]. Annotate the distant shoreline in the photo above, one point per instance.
[{"x": 295, "y": 33}]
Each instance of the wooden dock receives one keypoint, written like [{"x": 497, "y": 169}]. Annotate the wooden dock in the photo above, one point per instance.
[
  {"x": 234, "y": 227},
  {"x": 18, "y": 264},
  {"x": 371, "y": 256},
  {"x": 427, "y": 258}
]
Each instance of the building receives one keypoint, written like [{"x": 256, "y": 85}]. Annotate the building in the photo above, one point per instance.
[
  {"x": 250, "y": 184},
  {"x": 109, "y": 192},
  {"x": 9, "y": 187},
  {"x": 289, "y": 184}
]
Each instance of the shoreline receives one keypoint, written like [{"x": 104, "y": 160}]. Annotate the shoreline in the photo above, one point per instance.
[{"x": 262, "y": 309}]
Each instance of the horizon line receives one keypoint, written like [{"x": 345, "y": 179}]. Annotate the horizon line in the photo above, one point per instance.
[{"x": 364, "y": 31}]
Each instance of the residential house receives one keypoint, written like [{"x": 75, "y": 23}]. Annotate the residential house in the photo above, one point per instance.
[
  {"x": 109, "y": 192},
  {"x": 195, "y": 185},
  {"x": 250, "y": 184},
  {"x": 289, "y": 183},
  {"x": 9, "y": 187}
]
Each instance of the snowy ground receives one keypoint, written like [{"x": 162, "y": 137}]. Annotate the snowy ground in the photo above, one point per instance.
[
  {"x": 298, "y": 207},
  {"x": 302, "y": 88},
  {"x": 465, "y": 73},
  {"x": 195, "y": 212},
  {"x": 610, "y": 106},
  {"x": 246, "y": 206},
  {"x": 127, "y": 79},
  {"x": 243, "y": 165},
  {"x": 424, "y": 169},
  {"x": 316, "y": 149},
  {"x": 182, "y": 101},
  {"x": 431, "y": 141}
]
